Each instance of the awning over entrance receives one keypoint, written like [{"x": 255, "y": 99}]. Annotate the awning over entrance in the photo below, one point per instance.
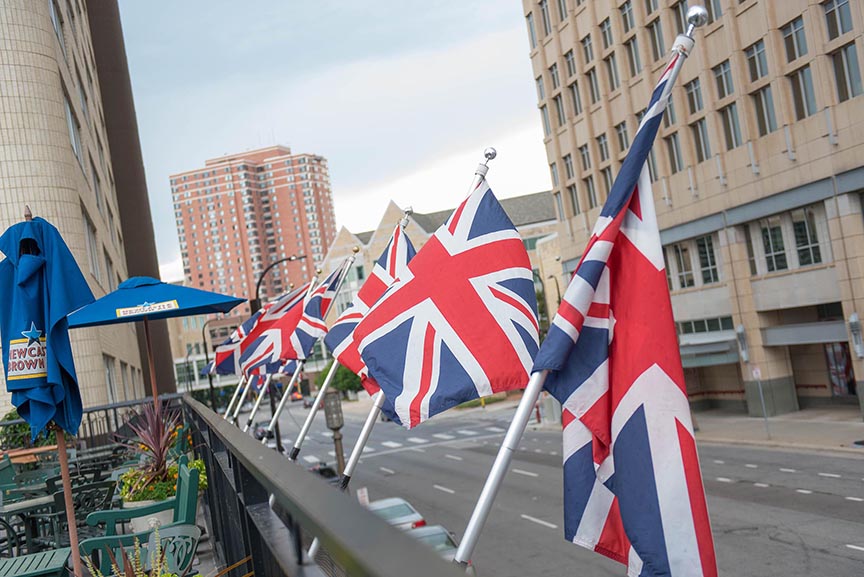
[
  {"x": 707, "y": 353},
  {"x": 805, "y": 334}
]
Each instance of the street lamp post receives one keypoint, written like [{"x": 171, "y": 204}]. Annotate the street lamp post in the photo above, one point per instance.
[
  {"x": 254, "y": 307},
  {"x": 557, "y": 287},
  {"x": 207, "y": 360}
]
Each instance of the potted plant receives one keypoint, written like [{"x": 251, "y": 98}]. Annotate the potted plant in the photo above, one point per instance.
[
  {"x": 132, "y": 565},
  {"x": 155, "y": 478}
]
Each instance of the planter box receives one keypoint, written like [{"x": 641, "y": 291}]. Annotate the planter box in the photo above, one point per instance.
[{"x": 140, "y": 524}]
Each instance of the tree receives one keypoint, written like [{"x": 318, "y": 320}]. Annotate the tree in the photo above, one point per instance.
[{"x": 344, "y": 380}]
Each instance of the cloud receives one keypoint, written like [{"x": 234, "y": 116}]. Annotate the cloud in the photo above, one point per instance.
[{"x": 171, "y": 271}]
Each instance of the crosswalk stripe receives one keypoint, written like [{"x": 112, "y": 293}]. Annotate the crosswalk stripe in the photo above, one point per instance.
[
  {"x": 443, "y": 436},
  {"x": 417, "y": 440},
  {"x": 466, "y": 432},
  {"x": 392, "y": 444},
  {"x": 311, "y": 459}
]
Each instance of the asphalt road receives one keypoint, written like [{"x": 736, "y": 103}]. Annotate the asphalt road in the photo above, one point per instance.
[{"x": 773, "y": 512}]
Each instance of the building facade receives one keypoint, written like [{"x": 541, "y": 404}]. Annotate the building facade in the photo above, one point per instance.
[
  {"x": 192, "y": 342},
  {"x": 55, "y": 156},
  {"x": 240, "y": 213},
  {"x": 757, "y": 172}
]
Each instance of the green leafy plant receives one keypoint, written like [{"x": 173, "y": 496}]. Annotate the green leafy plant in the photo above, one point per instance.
[
  {"x": 17, "y": 436},
  {"x": 132, "y": 565},
  {"x": 133, "y": 488},
  {"x": 344, "y": 380},
  {"x": 156, "y": 430}
]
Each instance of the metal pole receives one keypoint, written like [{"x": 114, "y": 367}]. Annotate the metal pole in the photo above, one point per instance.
[
  {"x": 764, "y": 410},
  {"x": 242, "y": 400},
  {"x": 304, "y": 431},
  {"x": 340, "y": 452},
  {"x": 234, "y": 398},
  {"x": 360, "y": 444},
  {"x": 264, "y": 388},
  {"x": 152, "y": 366},
  {"x": 285, "y": 397},
  {"x": 67, "y": 497}
]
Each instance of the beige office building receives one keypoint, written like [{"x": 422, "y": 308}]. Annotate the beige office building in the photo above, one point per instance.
[
  {"x": 757, "y": 174},
  {"x": 55, "y": 156}
]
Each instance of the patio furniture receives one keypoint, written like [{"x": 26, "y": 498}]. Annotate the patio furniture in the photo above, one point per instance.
[
  {"x": 43, "y": 564},
  {"x": 24, "y": 511},
  {"x": 179, "y": 544},
  {"x": 10, "y": 541},
  {"x": 87, "y": 499}
]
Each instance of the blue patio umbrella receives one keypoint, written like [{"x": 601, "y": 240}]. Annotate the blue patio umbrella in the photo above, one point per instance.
[{"x": 147, "y": 299}]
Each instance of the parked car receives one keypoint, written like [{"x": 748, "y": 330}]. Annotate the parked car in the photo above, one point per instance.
[
  {"x": 398, "y": 512},
  {"x": 440, "y": 540},
  {"x": 260, "y": 430}
]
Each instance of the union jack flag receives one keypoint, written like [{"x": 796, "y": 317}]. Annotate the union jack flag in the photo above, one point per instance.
[
  {"x": 632, "y": 483},
  {"x": 462, "y": 321},
  {"x": 257, "y": 346},
  {"x": 226, "y": 359},
  {"x": 391, "y": 265}
]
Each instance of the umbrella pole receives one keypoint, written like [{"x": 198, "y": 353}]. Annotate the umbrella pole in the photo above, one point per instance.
[
  {"x": 70, "y": 508},
  {"x": 151, "y": 364}
]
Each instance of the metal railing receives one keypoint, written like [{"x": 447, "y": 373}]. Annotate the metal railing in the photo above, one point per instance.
[{"x": 262, "y": 506}]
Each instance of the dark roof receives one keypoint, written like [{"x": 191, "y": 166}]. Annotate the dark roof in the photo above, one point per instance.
[
  {"x": 365, "y": 237},
  {"x": 522, "y": 210}
]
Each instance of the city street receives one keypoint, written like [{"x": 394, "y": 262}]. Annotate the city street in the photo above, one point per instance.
[{"x": 774, "y": 512}]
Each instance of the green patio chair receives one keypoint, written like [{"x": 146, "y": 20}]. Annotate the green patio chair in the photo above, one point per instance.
[
  {"x": 10, "y": 541},
  {"x": 86, "y": 499},
  {"x": 179, "y": 544},
  {"x": 7, "y": 471}
]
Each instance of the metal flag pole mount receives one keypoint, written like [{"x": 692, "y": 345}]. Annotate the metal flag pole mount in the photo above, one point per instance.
[
  {"x": 360, "y": 444},
  {"x": 285, "y": 397},
  {"x": 307, "y": 424},
  {"x": 696, "y": 16},
  {"x": 242, "y": 400},
  {"x": 265, "y": 389},
  {"x": 237, "y": 391}
]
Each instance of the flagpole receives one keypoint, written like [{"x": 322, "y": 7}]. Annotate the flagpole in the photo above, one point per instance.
[
  {"x": 264, "y": 388},
  {"x": 285, "y": 397},
  {"x": 242, "y": 400},
  {"x": 234, "y": 398},
  {"x": 696, "y": 16},
  {"x": 307, "y": 424}
]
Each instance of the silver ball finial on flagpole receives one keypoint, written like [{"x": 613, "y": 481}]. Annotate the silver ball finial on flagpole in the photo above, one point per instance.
[
  {"x": 489, "y": 153},
  {"x": 696, "y": 16}
]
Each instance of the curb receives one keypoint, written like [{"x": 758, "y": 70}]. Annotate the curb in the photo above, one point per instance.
[{"x": 781, "y": 445}]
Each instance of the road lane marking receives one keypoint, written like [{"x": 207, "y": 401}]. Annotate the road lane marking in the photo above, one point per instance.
[
  {"x": 392, "y": 444},
  {"x": 418, "y": 440},
  {"x": 388, "y": 471},
  {"x": 368, "y": 450},
  {"x": 830, "y": 475},
  {"x": 725, "y": 480},
  {"x": 749, "y": 466},
  {"x": 855, "y": 547},
  {"x": 444, "y": 489},
  {"x": 856, "y": 499},
  {"x": 467, "y": 433},
  {"x": 788, "y": 470},
  {"x": 444, "y": 436},
  {"x": 804, "y": 491},
  {"x": 417, "y": 449},
  {"x": 537, "y": 451},
  {"x": 760, "y": 485},
  {"x": 526, "y": 473},
  {"x": 453, "y": 457},
  {"x": 542, "y": 522},
  {"x": 553, "y": 452},
  {"x": 326, "y": 433},
  {"x": 719, "y": 462},
  {"x": 331, "y": 453},
  {"x": 311, "y": 459},
  {"x": 495, "y": 429}
]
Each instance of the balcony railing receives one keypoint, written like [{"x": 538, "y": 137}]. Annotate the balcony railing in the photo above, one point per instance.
[{"x": 261, "y": 506}]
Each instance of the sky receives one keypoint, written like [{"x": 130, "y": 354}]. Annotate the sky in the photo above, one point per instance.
[{"x": 401, "y": 97}]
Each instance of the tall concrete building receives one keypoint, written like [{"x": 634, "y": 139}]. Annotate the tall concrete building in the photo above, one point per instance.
[
  {"x": 56, "y": 141},
  {"x": 240, "y": 213},
  {"x": 758, "y": 174}
]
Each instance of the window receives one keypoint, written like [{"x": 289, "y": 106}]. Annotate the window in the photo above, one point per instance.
[
  {"x": 627, "y": 21},
  {"x": 623, "y": 137},
  {"x": 772, "y": 242},
  {"x": 559, "y": 206},
  {"x": 714, "y": 9},
  {"x": 562, "y": 10},
  {"x": 764, "y": 104},
  {"x": 569, "y": 170},
  {"x": 680, "y": 11},
  {"x": 803, "y": 96},
  {"x": 603, "y": 147},
  {"x": 589, "y": 190},
  {"x": 757, "y": 62},
  {"x": 109, "y": 271},
  {"x": 651, "y": 6},
  {"x": 723, "y": 76},
  {"x": 74, "y": 129},
  {"x": 553, "y": 169},
  {"x": 124, "y": 379},
  {"x": 110, "y": 382},
  {"x": 541, "y": 89},
  {"x": 97, "y": 186},
  {"x": 652, "y": 165},
  {"x": 559, "y": 109},
  {"x": 707, "y": 260},
  {"x": 587, "y": 49},
  {"x": 684, "y": 265},
  {"x": 57, "y": 22},
  {"x": 532, "y": 33},
  {"x": 806, "y": 240},
  {"x": 633, "y": 58},
  {"x": 669, "y": 114},
  {"x": 576, "y": 98},
  {"x": 574, "y": 198},
  {"x": 553, "y": 74},
  {"x": 751, "y": 254},
  {"x": 706, "y": 325},
  {"x": 92, "y": 246},
  {"x": 585, "y": 155},
  {"x": 693, "y": 89},
  {"x": 544, "y": 114},
  {"x": 593, "y": 86},
  {"x": 673, "y": 149},
  {"x": 795, "y": 39},
  {"x": 82, "y": 96},
  {"x": 612, "y": 72},
  {"x": 731, "y": 128},
  {"x": 847, "y": 74},
  {"x": 607, "y": 180},
  {"x": 837, "y": 17},
  {"x": 655, "y": 32},
  {"x": 570, "y": 59},
  {"x": 699, "y": 130},
  {"x": 606, "y": 33},
  {"x": 544, "y": 17}
]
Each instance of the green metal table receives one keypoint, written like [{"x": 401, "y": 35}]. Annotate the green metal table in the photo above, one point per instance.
[
  {"x": 22, "y": 510},
  {"x": 46, "y": 563}
]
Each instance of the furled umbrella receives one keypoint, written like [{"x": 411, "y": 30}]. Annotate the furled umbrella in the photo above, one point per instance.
[
  {"x": 148, "y": 299},
  {"x": 40, "y": 284}
]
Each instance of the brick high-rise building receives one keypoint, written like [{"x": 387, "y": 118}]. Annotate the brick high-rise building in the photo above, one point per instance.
[
  {"x": 239, "y": 213},
  {"x": 758, "y": 173}
]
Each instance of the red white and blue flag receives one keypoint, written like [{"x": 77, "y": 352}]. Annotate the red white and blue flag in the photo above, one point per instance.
[
  {"x": 226, "y": 359},
  {"x": 632, "y": 482},
  {"x": 462, "y": 321},
  {"x": 392, "y": 264}
]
